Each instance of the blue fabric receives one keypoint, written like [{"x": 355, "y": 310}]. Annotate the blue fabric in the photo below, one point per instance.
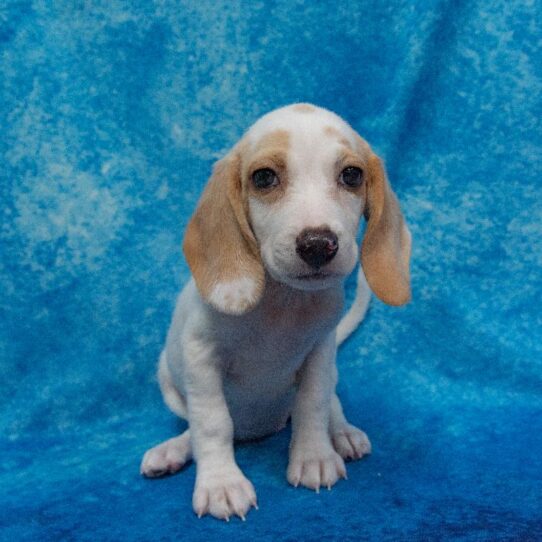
[{"x": 111, "y": 114}]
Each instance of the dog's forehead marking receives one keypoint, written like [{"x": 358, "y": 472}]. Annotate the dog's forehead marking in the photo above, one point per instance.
[
  {"x": 304, "y": 108},
  {"x": 277, "y": 140},
  {"x": 333, "y": 132},
  {"x": 295, "y": 120}
]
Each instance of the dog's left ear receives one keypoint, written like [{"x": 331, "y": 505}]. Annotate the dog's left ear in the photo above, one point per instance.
[
  {"x": 220, "y": 246},
  {"x": 385, "y": 252}
]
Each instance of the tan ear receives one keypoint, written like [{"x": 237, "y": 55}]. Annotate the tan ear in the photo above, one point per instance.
[
  {"x": 385, "y": 251},
  {"x": 219, "y": 245}
]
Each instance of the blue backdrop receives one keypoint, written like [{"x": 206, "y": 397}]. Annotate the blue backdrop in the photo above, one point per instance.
[{"x": 111, "y": 115}]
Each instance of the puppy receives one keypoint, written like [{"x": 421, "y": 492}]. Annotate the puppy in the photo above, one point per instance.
[{"x": 254, "y": 334}]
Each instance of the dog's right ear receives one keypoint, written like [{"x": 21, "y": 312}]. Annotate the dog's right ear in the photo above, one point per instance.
[{"x": 219, "y": 244}]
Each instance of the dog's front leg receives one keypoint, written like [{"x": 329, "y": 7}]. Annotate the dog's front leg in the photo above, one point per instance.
[
  {"x": 313, "y": 459},
  {"x": 221, "y": 488}
]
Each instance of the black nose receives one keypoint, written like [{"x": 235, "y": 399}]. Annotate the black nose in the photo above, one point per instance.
[{"x": 317, "y": 246}]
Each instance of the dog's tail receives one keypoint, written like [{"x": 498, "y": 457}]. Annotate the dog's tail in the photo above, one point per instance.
[{"x": 351, "y": 320}]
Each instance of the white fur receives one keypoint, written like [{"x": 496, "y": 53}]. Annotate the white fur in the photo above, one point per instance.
[
  {"x": 236, "y": 295},
  {"x": 242, "y": 376},
  {"x": 313, "y": 199},
  {"x": 351, "y": 320}
]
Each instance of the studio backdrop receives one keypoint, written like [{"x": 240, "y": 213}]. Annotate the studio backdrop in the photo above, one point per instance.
[{"x": 111, "y": 116}]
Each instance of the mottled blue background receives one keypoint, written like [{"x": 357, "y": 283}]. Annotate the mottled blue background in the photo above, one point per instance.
[{"x": 111, "y": 114}]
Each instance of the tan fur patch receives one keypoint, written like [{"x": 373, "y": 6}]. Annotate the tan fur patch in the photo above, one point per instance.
[
  {"x": 385, "y": 253},
  {"x": 350, "y": 158},
  {"x": 219, "y": 245},
  {"x": 271, "y": 152},
  {"x": 304, "y": 108},
  {"x": 277, "y": 139},
  {"x": 347, "y": 157},
  {"x": 331, "y": 131}
]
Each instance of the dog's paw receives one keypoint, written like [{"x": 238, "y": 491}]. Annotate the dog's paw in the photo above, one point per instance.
[
  {"x": 351, "y": 442},
  {"x": 167, "y": 458},
  {"x": 315, "y": 466},
  {"x": 223, "y": 494}
]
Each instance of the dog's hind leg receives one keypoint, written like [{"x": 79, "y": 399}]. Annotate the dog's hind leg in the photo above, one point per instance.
[
  {"x": 168, "y": 457},
  {"x": 173, "y": 399},
  {"x": 349, "y": 441}
]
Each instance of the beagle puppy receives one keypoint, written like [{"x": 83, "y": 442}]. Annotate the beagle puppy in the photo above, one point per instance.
[{"x": 255, "y": 331}]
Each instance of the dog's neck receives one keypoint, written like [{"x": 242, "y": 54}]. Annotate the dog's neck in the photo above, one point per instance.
[{"x": 280, "y": 294}]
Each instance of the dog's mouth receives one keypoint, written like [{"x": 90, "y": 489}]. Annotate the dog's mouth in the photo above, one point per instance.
[
  {"x": 315, "y": 275},
  {"x": 312, "y": 280}
]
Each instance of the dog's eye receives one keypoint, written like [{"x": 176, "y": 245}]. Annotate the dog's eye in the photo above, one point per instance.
[
  {"x": 265, "y": 178},
  {"x": 352, "y": 176}
]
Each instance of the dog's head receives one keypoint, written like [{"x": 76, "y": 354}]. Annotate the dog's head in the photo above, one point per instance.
[{"x": 288, "y": 198}]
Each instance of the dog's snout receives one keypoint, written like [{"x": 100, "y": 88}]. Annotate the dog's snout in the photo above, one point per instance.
[{"x": 317, "y": 246}]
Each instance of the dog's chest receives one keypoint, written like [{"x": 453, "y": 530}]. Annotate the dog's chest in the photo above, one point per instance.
[{"x": 274, "y": 340}]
